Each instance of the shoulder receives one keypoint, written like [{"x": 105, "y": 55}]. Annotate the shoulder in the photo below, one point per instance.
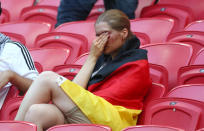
[
  {"x": 14, "y": 44},
  {"x": 14, "y": 47}
]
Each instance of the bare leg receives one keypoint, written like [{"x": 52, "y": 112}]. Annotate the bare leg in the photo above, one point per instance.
[
  {"x": 44, "y": 116},
  {"x": 44, "y": 89}
]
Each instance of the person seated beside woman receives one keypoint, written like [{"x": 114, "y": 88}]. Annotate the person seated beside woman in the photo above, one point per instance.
[
  {"x": 108, "y": 90},
  {"x": 16, "y": 66}
]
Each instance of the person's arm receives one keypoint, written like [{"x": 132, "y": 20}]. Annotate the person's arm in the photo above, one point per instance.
[
  {"x": 19, "y": 81},
  {"x": 97, "y": 48},
  {"x": 16, "y": 66}
]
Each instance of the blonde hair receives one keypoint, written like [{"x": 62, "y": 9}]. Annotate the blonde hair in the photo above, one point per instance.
[{"x": 116, "y": 19}]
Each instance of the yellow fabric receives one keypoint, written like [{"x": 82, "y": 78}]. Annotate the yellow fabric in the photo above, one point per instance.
[{"x": 98, "y": 110}]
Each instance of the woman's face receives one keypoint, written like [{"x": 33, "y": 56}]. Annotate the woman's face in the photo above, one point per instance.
[{"x": 115, "y": 40}]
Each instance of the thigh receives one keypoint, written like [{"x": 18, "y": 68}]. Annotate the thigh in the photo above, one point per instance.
[{"x": 71, "y": 111}]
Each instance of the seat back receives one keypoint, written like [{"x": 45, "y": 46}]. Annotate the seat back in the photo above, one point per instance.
[
  {"x": 142, "y": 4},
  {"x": 195, "y": 26},
  {"x": 14, "y": 7},
  {"x": 156, "y": 91},
  {"x": 15, "y": 37},
  {"x": 10, "y": 108},
  {"x": 5, "y": 17},
  {"x": 40, "y": 13},
  {"x": 148, "y": 26},
  {"x": 172, "y": 56},
  {"x": 196, "y": 7},
  {"x": 175, "y": 112},
  {"x": 50, "y": 57},
  {"x": 193, "y": 74},
  {"x": 17, "y": 126},
  {"x": 29, "y": 30},
  {"x": 194, "y": 38},
  {"x": 80, "y": 127},
  {"x": 201, "y": 129},
  {"x": 181, "y": 15},
  {"x": 77, "y": 44},
  {"x": 76, "y": 27},
  {"x": 69, "y": 71},
  {"x": 199, "y": 58},
  {"x": 151, "y": 128},
  {"x": 190, "y": 91},
  {"x": 144, "y": 38},
  {"x": 49, "y": 2},
  {"x": 38, "y": 66},
  {"x": 81, "y": 59},
  {"x": 159, "y": 74}
]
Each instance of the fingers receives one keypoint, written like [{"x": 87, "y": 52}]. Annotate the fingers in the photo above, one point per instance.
[
  {"x": 98, "y": 45},
  {"x": 102, "y": 40}
]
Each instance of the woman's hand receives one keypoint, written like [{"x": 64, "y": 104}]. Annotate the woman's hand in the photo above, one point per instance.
[{"x": 98, "y": 45}]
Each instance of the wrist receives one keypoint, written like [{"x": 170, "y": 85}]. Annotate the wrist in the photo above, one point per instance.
[{"x": 92, "y": 58}]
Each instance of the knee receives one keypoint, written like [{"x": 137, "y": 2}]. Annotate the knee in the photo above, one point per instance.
[
  {"x": 47, "y": 77},
  {"x": 46, "y": 74},
  {"x": 44, "y": 115},
  {"x": 34, "y": 113}
]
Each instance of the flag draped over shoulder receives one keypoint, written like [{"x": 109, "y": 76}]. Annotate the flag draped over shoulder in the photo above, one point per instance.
[{"x": 125, "y": 80}]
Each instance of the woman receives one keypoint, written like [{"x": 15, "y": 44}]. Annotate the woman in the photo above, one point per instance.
[{"x": 108, "y": 90}]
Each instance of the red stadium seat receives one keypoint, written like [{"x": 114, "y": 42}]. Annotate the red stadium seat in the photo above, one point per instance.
[
  {"x": 68, "y": 71},
  {"x": 156, "y": 91},
  {"x": 142, "y": 4},
  {"x": 81, "y": 59},
  {"x": 5, "y": 17},
  {"x": 39, "y": 67},
  {"x": 15, "y": 37},
  {"x": 196, "y": 7},
  {"x": 14, "y": 7},
  {"x": 88, "y": 29},
  {"x": 30, "y": 30},
  {"x": 10, "y": 108},
  {"x": 17, "y": 126},
  {"x": 50, "y": 57},
  {"x": 195, "y": 26},
  {"x": 172, "y": 56},
  {"x": 159, "y": 74},
  {"x": 193, "y": 74},
  {"x": 144, "y": 39},
  {"x": 199, "y": 58},
  {"x": 41, "y": 13},
  {"x": 151, "y": 128},
  {"x": 181, "y": 113},
  {"x": 148, "y": 26},
  {"x": 77, "y": 44},
  {"x": 99, "y": 3},
  {"x": 80, "y": 127},
  {"x": 194, "y": 38},
  {"x": 191, "y": 91},
  {"x": 181, "y": 15},
  {"x": 49, "y": 2},
  {"x": 201, "y": 129}
]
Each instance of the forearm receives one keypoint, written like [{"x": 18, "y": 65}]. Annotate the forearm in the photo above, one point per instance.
[
  {"x": 96, "y": 51},
  {"x": 84, "y": 74},
  {"x": 20, "y": 82}
]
